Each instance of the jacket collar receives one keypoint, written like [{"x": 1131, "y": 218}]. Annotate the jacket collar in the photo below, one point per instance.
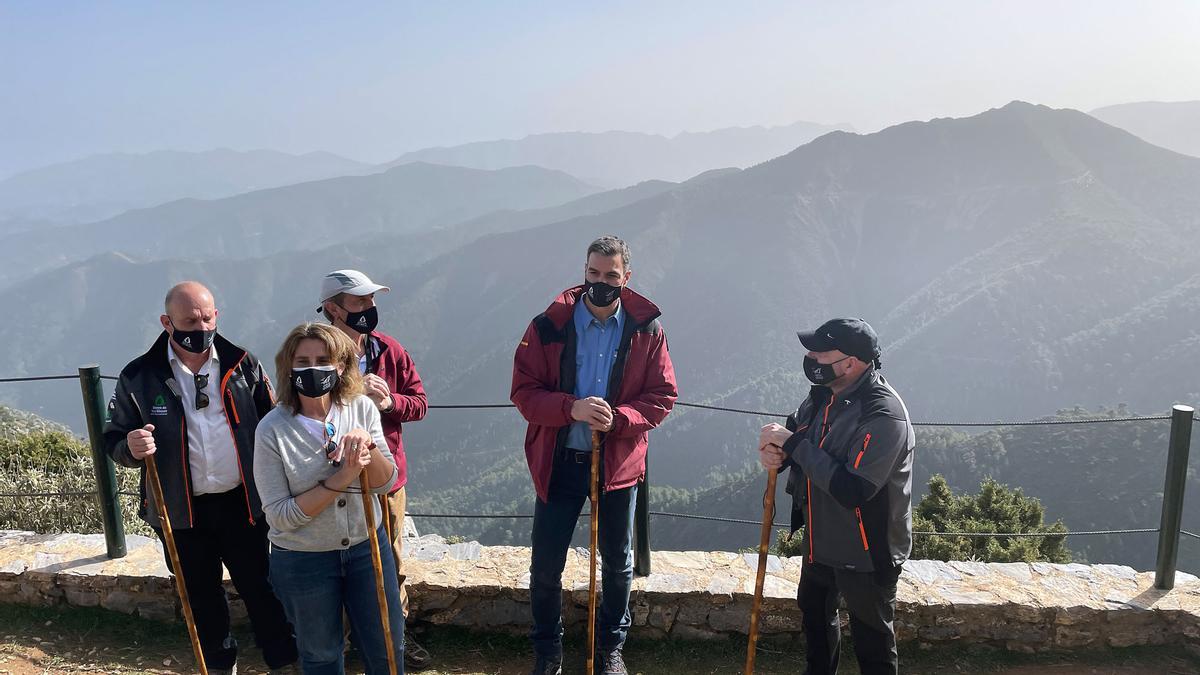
[
  {"x": 638, "y": 309},
  {"x": 821, "y": 394},
  {"x": 228, "y": 354}
]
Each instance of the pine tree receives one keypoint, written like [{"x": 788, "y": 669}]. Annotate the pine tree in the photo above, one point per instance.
[{"x": 996, "y": 508}]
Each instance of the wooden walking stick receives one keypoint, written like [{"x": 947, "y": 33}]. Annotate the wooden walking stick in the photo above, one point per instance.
[
  {"x": 169, "y": 536},
  {"x": 377, "y": 563},
  {"x": 595, "y": 527},
  {"x": 764, "y": 542},
  {"x": 388, "y": 524}
]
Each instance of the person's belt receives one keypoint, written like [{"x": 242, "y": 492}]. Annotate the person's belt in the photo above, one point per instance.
[{"x": 573, "y": 456}]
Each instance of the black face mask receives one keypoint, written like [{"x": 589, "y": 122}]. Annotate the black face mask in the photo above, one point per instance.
[
  {"x": 314, "y": 382},
  {"x": 820, "y": 373},
  {"x": 600, "y": 293},
  {"x": 363, "y": 322},
  {"x": 195, "y": 341}
]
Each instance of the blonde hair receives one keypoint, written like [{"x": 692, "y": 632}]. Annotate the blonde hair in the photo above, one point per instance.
[{"x": 341, "y": 353}]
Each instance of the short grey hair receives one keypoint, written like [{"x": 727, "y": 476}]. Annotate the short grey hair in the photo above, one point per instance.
[
  {"x": 608, "y": 246},
  {"x": 337, "y": 300}
]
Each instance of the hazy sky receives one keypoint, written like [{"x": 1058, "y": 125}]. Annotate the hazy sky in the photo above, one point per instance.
[{"x": 372, "y": 81}]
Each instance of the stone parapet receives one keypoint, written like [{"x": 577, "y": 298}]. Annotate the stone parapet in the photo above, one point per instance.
[{"x": 691, "y": 595}]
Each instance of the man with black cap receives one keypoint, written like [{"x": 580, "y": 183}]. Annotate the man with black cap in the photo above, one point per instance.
[
  {"x": 850, "y": 450},
  {"x": 392, "y": 382}
]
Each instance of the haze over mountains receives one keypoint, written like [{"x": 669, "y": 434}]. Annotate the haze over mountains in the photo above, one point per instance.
[
  {"x": 305, "y": 216},
  {"x": 101, "y": 186},
  {"x": 1015, "y": 262},
  {"x": 619, "y": 158},
  {"x": 1175, "y": 126}
]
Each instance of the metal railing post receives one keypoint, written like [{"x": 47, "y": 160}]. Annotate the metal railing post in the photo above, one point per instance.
[
  {"x": 1172, "y": 508},
  {"x": 102, "y": 465}
]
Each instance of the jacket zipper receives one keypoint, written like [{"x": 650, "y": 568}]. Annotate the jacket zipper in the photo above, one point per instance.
[
  {"x": 821, "y": 443},
  {"x": 866, "y": 442},
  {"x": 861, "y": 530},
  {"x": 237, "y": 453},
  {"x": 623, "y": 357},
  {"x": 187, "y": 469}
]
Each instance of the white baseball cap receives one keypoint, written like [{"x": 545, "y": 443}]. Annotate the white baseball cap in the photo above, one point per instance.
[{"x": 351, "y": 282}]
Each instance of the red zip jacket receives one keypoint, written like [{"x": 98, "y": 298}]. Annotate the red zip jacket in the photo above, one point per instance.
[
  {"x": 387, "y": 359},
  {"x": 641, "y": 388}
]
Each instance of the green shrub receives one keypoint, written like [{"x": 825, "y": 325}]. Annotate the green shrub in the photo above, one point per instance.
[{"x": 55, "y": 462}]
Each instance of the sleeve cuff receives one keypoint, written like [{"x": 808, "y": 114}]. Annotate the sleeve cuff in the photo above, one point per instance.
[
  {"x": 619, "y": 423},
  {"x": 293, "y": 516},
  {"x": 387, "y": 485}
]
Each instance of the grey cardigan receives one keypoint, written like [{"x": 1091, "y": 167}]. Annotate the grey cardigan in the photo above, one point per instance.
[{"x": 288, "y": 461}]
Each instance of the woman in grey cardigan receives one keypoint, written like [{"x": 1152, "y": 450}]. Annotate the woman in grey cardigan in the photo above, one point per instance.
[{"x": 308, "y": 454}]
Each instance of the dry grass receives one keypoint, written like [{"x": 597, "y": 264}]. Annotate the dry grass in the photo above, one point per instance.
[{"x": 54, "y": 462}]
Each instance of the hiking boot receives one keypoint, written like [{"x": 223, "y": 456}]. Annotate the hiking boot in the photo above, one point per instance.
[
  {"x": 416, "y": 657},
  {"x": 289, "y": 669},
  {"x": 547, "y": 665},
  {"x": 611, "y": 663}
]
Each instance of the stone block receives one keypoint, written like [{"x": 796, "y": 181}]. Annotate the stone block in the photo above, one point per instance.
[{"x": 687, "y": 632}]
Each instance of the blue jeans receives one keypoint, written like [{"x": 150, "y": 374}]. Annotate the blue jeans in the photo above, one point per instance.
[
  {"x": 554, "y": 523},
  {"x": 315, "y": 587}
]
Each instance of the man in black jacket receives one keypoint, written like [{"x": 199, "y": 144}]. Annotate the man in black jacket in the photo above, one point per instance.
[
  {"x": 850, "y": 449},
  {"x": 194, "y": 401}
]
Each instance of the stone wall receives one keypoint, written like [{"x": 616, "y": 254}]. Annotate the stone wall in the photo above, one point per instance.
[{"x": 691, "y": 595}]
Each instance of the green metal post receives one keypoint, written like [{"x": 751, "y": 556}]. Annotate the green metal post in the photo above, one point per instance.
[
  {"x": 1172, "y": 508},
  {"x": 102, "y": 465}
]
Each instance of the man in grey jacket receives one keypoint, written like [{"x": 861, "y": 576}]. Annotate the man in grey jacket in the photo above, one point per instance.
[{"x": 850, "y": 450}]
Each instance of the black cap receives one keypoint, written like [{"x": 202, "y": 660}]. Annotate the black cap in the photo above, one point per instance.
[{"x": 852, "y": 337}]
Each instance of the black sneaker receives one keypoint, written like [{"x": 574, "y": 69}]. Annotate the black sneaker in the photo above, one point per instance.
[
  {"x": 416, "y": 657},
  {"x": 547, "y": 665},
  {"x": 611, "y": 663}
]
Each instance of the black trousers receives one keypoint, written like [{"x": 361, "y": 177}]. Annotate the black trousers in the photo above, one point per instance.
[
  {"x": 223, "y": 534},
  {"x": 871, "y": 601}
]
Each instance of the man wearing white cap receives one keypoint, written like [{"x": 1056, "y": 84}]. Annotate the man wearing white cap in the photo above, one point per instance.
[{"x": 392, "y": 382}]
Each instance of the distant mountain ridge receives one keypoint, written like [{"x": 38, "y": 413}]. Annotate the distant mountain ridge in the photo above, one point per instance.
[
  {"x": 101, "y": 186},
  {"x": 1174, "y": 126},
  {"x": 304, "y": 216},
  {"x": 620, "y": 158}
]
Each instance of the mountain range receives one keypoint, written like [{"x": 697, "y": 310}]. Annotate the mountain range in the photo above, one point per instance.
[
  {"x": 1015, "y": 262},
  {"x": 620, "y": 158},
  {"x": 101, "y": 186},
  {"x": 305, "y": 216}
]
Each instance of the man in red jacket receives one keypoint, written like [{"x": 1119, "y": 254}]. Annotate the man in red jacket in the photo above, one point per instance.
[
  {"x": 392, "y": 382},
  {"x": 595, "y": 360}
]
